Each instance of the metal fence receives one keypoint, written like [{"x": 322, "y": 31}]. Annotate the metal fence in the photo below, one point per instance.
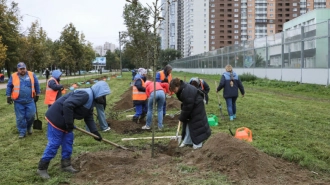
[{"x": 305, "y": 47}]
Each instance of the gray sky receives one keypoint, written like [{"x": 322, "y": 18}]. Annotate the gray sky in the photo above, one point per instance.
[{"x": 99, "y": 20}]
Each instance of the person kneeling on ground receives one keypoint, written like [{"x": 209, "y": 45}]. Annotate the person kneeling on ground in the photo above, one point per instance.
[
  {"x": 161, "y": 90},
  {"x": 195, "y": 127},
  {"x": 61, "y": 115},
  {"x": 201, "y": 85}
]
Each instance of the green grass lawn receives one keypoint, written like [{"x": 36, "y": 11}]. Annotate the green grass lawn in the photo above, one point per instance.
[{"x": 287, "y": 120}]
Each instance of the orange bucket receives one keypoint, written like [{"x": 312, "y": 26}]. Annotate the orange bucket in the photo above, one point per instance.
[{"x": 244, "y": 133}]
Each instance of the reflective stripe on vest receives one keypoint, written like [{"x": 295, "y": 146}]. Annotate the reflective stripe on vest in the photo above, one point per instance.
[
  {"x": 138, "y": 95},
  {"x": 16, "y": 83},
  {"x": 50, "y": 95},
  {"x": 162, "y": 76}
]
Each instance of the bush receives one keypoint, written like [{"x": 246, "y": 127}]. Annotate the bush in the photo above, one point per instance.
[{"x": 247, "y": 77}]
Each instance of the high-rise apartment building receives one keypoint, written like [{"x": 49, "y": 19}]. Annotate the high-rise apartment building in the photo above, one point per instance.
[
  {"x": 169, "y": 26},
  {"x": 109, "y": 46},
  {"x": 234, "y": 21}
]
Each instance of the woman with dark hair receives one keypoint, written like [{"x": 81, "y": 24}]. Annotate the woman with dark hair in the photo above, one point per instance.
[
  {"x": 230, "y": 83},
  {"x": 195, "y": 127}
]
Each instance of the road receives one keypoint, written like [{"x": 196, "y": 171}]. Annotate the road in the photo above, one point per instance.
[{"x": 4, "y": 85}]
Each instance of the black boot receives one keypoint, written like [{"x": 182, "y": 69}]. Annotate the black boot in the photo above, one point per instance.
[
  {"x": 67, "y": 167},
  {"x": 42, "y": 169},
  {"x": 143, "y": 116},
  {"x": 135, "y": 119}
]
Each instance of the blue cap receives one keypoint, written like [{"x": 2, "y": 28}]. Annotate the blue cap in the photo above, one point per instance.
[{"x": 21, "y": 65}]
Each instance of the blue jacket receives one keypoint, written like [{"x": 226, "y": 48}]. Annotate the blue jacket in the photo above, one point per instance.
[
  {"x": 77, "y": 105},
  {"x": 230, "y": 92},
  {"x": 25, "y": 95}
]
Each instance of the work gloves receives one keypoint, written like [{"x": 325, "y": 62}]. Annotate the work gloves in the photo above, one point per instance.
[
  {"x": 69, "y": 127},
  {"x": 36, "y": 98},
  {"x": 9, "y": 100},
  {"x": 99, "y": 136}
]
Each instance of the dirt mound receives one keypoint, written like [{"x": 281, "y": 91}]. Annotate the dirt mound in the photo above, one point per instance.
[
  {"x": 244, "y": 164},
  {"x": 238, "y": 160},
  {"x": 125, "y": 102},
  {"x": 173, "y": 103}
]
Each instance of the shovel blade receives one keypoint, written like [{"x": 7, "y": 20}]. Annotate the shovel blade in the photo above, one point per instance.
[{"x": 37, "y": 124}]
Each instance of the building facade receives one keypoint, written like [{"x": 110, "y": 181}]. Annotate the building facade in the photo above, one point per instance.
[
  {"x": 109, "y": 46},
  {"x": 234, "y": 21},
  {"x": 169, "y": 27}
]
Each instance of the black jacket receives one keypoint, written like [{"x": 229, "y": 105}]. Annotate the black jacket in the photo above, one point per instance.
[{"x": 193, "y": 113}]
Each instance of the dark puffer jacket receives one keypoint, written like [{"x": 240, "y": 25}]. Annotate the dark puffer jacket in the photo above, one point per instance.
[{"x": 193, "y": 113}]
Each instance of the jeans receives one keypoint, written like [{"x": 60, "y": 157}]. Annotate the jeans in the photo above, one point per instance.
[
  {"x": 164, "y": 107},
  {"x": 139, "y": 109},
  {"x": 187, "y": 139},
  {"x": 24, "y": 116},
  {"x": 231, "y": 106},
  {"x": 160, "y": 99},
  {"x": 101, "y": 116},
  {"x": 57, "y": 138}
]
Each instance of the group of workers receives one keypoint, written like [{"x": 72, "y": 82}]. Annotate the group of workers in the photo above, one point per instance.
[{"x": 23, "y": 90}]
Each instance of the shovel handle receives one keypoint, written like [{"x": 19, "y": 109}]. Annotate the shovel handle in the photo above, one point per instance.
[
  {"x": 177, "y": 131},
  {"x": 105, "y": 140}
]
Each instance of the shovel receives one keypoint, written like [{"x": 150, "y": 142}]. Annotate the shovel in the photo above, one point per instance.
[
  {"x": 177, "y": 133},
  {"x": 107, "y": 141},
  {"x": 173, "y": 115},
  {"x": 37, "y": 124}
]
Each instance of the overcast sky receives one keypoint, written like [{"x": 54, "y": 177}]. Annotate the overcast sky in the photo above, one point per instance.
[{"x": 99, "y": 20}]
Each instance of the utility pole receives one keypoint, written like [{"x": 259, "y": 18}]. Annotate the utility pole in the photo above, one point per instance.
[{"x": 121, "y": 70}]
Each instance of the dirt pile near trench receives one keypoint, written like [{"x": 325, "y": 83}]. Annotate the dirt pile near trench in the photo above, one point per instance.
[{"x": 238, "y": 160}]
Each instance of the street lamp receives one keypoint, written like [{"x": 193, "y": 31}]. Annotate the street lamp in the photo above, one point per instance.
[{"x": 121, "y": 70}]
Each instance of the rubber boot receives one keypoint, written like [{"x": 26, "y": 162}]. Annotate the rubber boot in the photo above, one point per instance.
[
  {"x": 234, "y": 116},
  {"x": 67, "y": 167},
  {"x": 42, "y": 169},
  {"x": 135, "y": 119},
  {"x": 231, "y": 118}
]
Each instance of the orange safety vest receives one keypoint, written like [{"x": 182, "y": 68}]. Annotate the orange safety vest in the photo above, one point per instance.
[
  {"x": 162, "y": 76},
  {"x": 202, "y": 85},
  {"x": 50, "y": 95},
  {"x": 16, "y": 83},
  {"x": 138, "y": 95}
]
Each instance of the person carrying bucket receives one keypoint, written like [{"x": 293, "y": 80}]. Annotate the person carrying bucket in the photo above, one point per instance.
[
  {"x": 54, "y": 89},
  {"x": 230, "y": 83}
]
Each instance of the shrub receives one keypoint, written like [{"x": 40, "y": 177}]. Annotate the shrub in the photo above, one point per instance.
[{"x": 247, "y": 77}]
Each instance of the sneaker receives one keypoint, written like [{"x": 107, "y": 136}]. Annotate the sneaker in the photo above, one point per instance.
[
  {"x": 30, "y": 131},
  {"x": 145, "y": 127},
  {"x": 196, "y": 147},
  {"x": 234, "y": 116},
  {"x": 106, "y": 130},
  {"x": 182, "y": 145},
  {"x": 21, "y": 136}
]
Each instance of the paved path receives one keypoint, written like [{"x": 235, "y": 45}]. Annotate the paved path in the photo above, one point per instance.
[{"x": 4, "y": 85}]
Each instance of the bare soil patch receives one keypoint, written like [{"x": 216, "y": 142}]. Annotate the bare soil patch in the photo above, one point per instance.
[{"x": 222, "y": 153}]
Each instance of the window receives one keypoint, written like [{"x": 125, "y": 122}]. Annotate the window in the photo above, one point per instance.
[
  {"x": 250, "y": 36},
  {"x": 270, "y": 4},
  {"x": 236, "y": 42},
  {"x": 250, "y": 15},
  {"x": 235, "y": 15},
  {"x": 204, "y": 42},
  {"x": 249, "y": 10},
  {"x": 212, "y": 37},
  {"x": 204, "y": 31},
  {"x": 213, "y": 10},
  {"x": 235, "y": 10},
  {"x": 212, "y": 21},
  {"x": 271, "y": 26},
  {"x": 250, "y": 20},
  {"x": 212, "y": 42},
  {"x": 294, "y": 15},
  {"x": 212, "y": 5},
  {"x": 270, "y": 15},
  {"x": 250, "y": 26},
  {"x": 235, "y": 4},
  {"x": 294, "y": 4},
  {"x": 213, "y": 47},
  {"x": 250, "y": 4},
  {"x": 212, "y": 26},
  {"x": 250, "y": 31},
  {"x": 294, "y": 9},
  {"x": 235, "y": 31},
  {"x": 271, "y": 10},
  {"x": 235, "y": 26},
  {"x": 235, "y": 20},
  {"x": 204, "y": 36},
  {"x": 212, "y": 16},
  {"x": 212, "y": 32},
  {"x": 236, "y": 37},
  {"x": 271, "y": 31}
]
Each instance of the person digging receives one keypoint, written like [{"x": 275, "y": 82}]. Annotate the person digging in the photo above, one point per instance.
[
  {"x": 61, "y": 115},
  {"x": 139, "y": 95}
]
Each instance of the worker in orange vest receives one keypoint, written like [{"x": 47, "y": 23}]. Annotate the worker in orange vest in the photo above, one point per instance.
[
  {"x": 201, "y": 85},
  {"x": 162, "y": 76},
  {"x": 53, "y": 88},
  {"x": 23, "y": 89},
  {"x": 139, "y": 95}
]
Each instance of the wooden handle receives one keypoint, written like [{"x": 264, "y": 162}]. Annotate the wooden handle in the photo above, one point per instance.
[{"x": 107, "y": 141}]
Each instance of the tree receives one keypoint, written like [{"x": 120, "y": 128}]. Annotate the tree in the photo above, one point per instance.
[
  {"x": 9, "y": 25},
  {"x": 137, "y": 37},
  {"x": 3, "y": 50},
  {"x": 168, "y": 55},
  {"x": 70, "y": 48}
]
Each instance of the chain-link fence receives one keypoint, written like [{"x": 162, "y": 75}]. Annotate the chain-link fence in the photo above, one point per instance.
[{"x": 300, "y": 49}]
